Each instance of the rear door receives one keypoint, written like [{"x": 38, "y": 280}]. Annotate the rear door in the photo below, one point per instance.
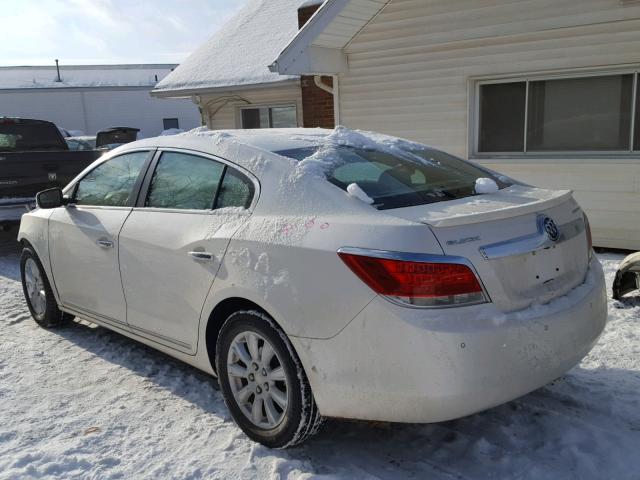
[
  {"x": 83, "y": 237},
  {"x": 172, "y": 244}
]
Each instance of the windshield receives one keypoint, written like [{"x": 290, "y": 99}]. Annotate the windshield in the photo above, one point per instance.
[
  {"x": 17, "y": 135},
  {"x": 398, "y": 178}
]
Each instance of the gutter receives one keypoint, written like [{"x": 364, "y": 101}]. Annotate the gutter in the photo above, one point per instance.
[{"x": 188, "y": 92}]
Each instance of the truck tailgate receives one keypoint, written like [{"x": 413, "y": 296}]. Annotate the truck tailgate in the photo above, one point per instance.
[{"x": 23, "y": 174}]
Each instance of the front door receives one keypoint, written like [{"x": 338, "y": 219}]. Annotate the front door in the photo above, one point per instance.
[
  {"x": 83, "y": 238},
  {"x": 172, "y": 244}
]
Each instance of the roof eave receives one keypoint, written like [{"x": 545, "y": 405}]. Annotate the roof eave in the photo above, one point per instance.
[
  {"x": 304, "y": 57},
  {"x": 188, "y": 92},
  {"x": 300, "y": 57},
  {"x": 311, "y": 60}
]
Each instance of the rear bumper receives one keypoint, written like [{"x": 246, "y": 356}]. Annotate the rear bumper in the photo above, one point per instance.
[{"x": 399, "y": 364}]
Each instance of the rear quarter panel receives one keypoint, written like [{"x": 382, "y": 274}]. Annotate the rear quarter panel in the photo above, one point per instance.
[{"x": 289, "y": 266}]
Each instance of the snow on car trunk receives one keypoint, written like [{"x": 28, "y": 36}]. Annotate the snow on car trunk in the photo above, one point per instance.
[{"x": 527, "y": 244}]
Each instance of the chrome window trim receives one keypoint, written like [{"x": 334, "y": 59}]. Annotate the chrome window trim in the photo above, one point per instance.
[
  {"x": 70, "y": 187},
  {"x": 228, "y": 163},
  {"x": 534, "y": 242},
  {"x": 424, "y": 258}
]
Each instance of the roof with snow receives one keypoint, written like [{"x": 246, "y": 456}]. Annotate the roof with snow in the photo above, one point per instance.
[
  {"x": 239, "y": 53},
  {"x": 84, "y": 76}
]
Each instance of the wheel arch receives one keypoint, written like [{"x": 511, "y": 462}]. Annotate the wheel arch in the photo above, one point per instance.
[
  {"x": 42, "y": 254},
  {"x": 219, "y": 315}
]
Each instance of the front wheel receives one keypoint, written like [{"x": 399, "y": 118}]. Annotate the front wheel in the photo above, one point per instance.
[
  {"x": 37, "y": 292},
  {"x": 263, "y": 383}
]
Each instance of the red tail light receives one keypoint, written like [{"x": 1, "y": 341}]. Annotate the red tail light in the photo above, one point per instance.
[
  {"x": 426, "y": 284},
  {"x": 587, "y": 228}
]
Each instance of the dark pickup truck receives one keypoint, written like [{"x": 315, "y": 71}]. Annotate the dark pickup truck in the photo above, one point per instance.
[{"x": 34, "y": 156}]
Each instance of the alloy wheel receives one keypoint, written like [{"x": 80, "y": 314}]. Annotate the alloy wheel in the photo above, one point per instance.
[
  {"x": 35, "y": 287},
  {"x": 257, "y": 379}
]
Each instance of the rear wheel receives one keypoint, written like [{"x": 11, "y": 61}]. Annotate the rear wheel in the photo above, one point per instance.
[
  {"x": 38, "y": 294},
  {"x": 263, "y": 382}
]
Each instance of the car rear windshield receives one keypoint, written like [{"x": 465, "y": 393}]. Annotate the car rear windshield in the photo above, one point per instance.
[
  {"x": 20, "y": 135},
  {"x": 401, "y": 177}
]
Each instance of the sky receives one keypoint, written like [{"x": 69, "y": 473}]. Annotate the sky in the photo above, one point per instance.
[{"x": 35, "y": 32}]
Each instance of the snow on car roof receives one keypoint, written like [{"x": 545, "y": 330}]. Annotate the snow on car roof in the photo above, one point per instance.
[
  {"x": 275, "y": 140},
  {"x": 268, "y": 140}
]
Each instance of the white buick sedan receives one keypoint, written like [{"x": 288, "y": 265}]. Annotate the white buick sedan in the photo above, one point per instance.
[{"x": 322, "y": 273}]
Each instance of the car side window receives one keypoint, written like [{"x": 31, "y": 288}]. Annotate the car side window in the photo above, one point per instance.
[
  {"x": 236, "y": 190},
  {"x": 111, "y": 183},
  {"x": 184, "y": 181}
]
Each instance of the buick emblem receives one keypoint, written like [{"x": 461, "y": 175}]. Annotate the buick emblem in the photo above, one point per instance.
[
  {"x": 551, "y": 229},
  {"x": 53, "y": 177}
]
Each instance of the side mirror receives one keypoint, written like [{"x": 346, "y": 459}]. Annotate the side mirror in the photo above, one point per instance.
[{"x": 51, "y": 198}]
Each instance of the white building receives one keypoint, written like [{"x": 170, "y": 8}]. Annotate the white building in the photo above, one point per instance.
[{"x": 93, "y": 97}]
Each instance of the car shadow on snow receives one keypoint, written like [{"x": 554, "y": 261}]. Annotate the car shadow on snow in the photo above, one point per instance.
[
  {"x": 164, "y": 371},
  {"x": 583, "y": 425},
  {"x": 530, "y": 436}
]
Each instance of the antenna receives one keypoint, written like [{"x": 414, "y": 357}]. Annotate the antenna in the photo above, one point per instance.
[{"x": 58, "y": 70}]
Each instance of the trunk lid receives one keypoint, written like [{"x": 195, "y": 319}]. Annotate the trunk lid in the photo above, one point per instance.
[{"x": 527, "y": 244}]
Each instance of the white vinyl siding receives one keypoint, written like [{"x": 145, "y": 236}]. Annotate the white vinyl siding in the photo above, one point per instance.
[
  {"x": 222, "y": 110},
  {"x": 413, "y": 72}
]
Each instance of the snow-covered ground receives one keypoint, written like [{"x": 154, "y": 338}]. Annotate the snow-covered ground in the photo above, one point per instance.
[{"x": 82, "y": 402}]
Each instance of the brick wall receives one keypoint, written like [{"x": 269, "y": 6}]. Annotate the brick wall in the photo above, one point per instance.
[{"x": 317, "y": 105}]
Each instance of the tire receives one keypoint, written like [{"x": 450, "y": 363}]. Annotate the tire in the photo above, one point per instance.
[
  {"x": 256, "y": 387},
  {"x": 38, "y": 294}
]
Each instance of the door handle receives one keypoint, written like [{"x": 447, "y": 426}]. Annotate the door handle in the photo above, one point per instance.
[
  {"x": 201, "y": 256},
  {"x": 105, "y": 243}
]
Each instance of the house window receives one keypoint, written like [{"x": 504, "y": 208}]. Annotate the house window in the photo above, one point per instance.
[
  {"x": 583, "y": 114},
  {"x": 168, "y": 123},
  {"x": 269, "y": 117}
]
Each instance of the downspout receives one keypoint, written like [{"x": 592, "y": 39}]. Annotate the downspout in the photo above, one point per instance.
[
  {"x": 317, "y": 79},
  {"x": 198, "y": 103},
  {"x": 336, "y": 100}
]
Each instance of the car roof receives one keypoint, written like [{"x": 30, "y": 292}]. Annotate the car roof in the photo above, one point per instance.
[{"x": 269, "y": 140}]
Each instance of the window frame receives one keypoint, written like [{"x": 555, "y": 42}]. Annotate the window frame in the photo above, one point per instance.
[
  {"x": 71, "y": 190},
  {"x": 146, "y": 183},
  {"x": 240, "y": 109},
  {"x": 474, "y": 112}
]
